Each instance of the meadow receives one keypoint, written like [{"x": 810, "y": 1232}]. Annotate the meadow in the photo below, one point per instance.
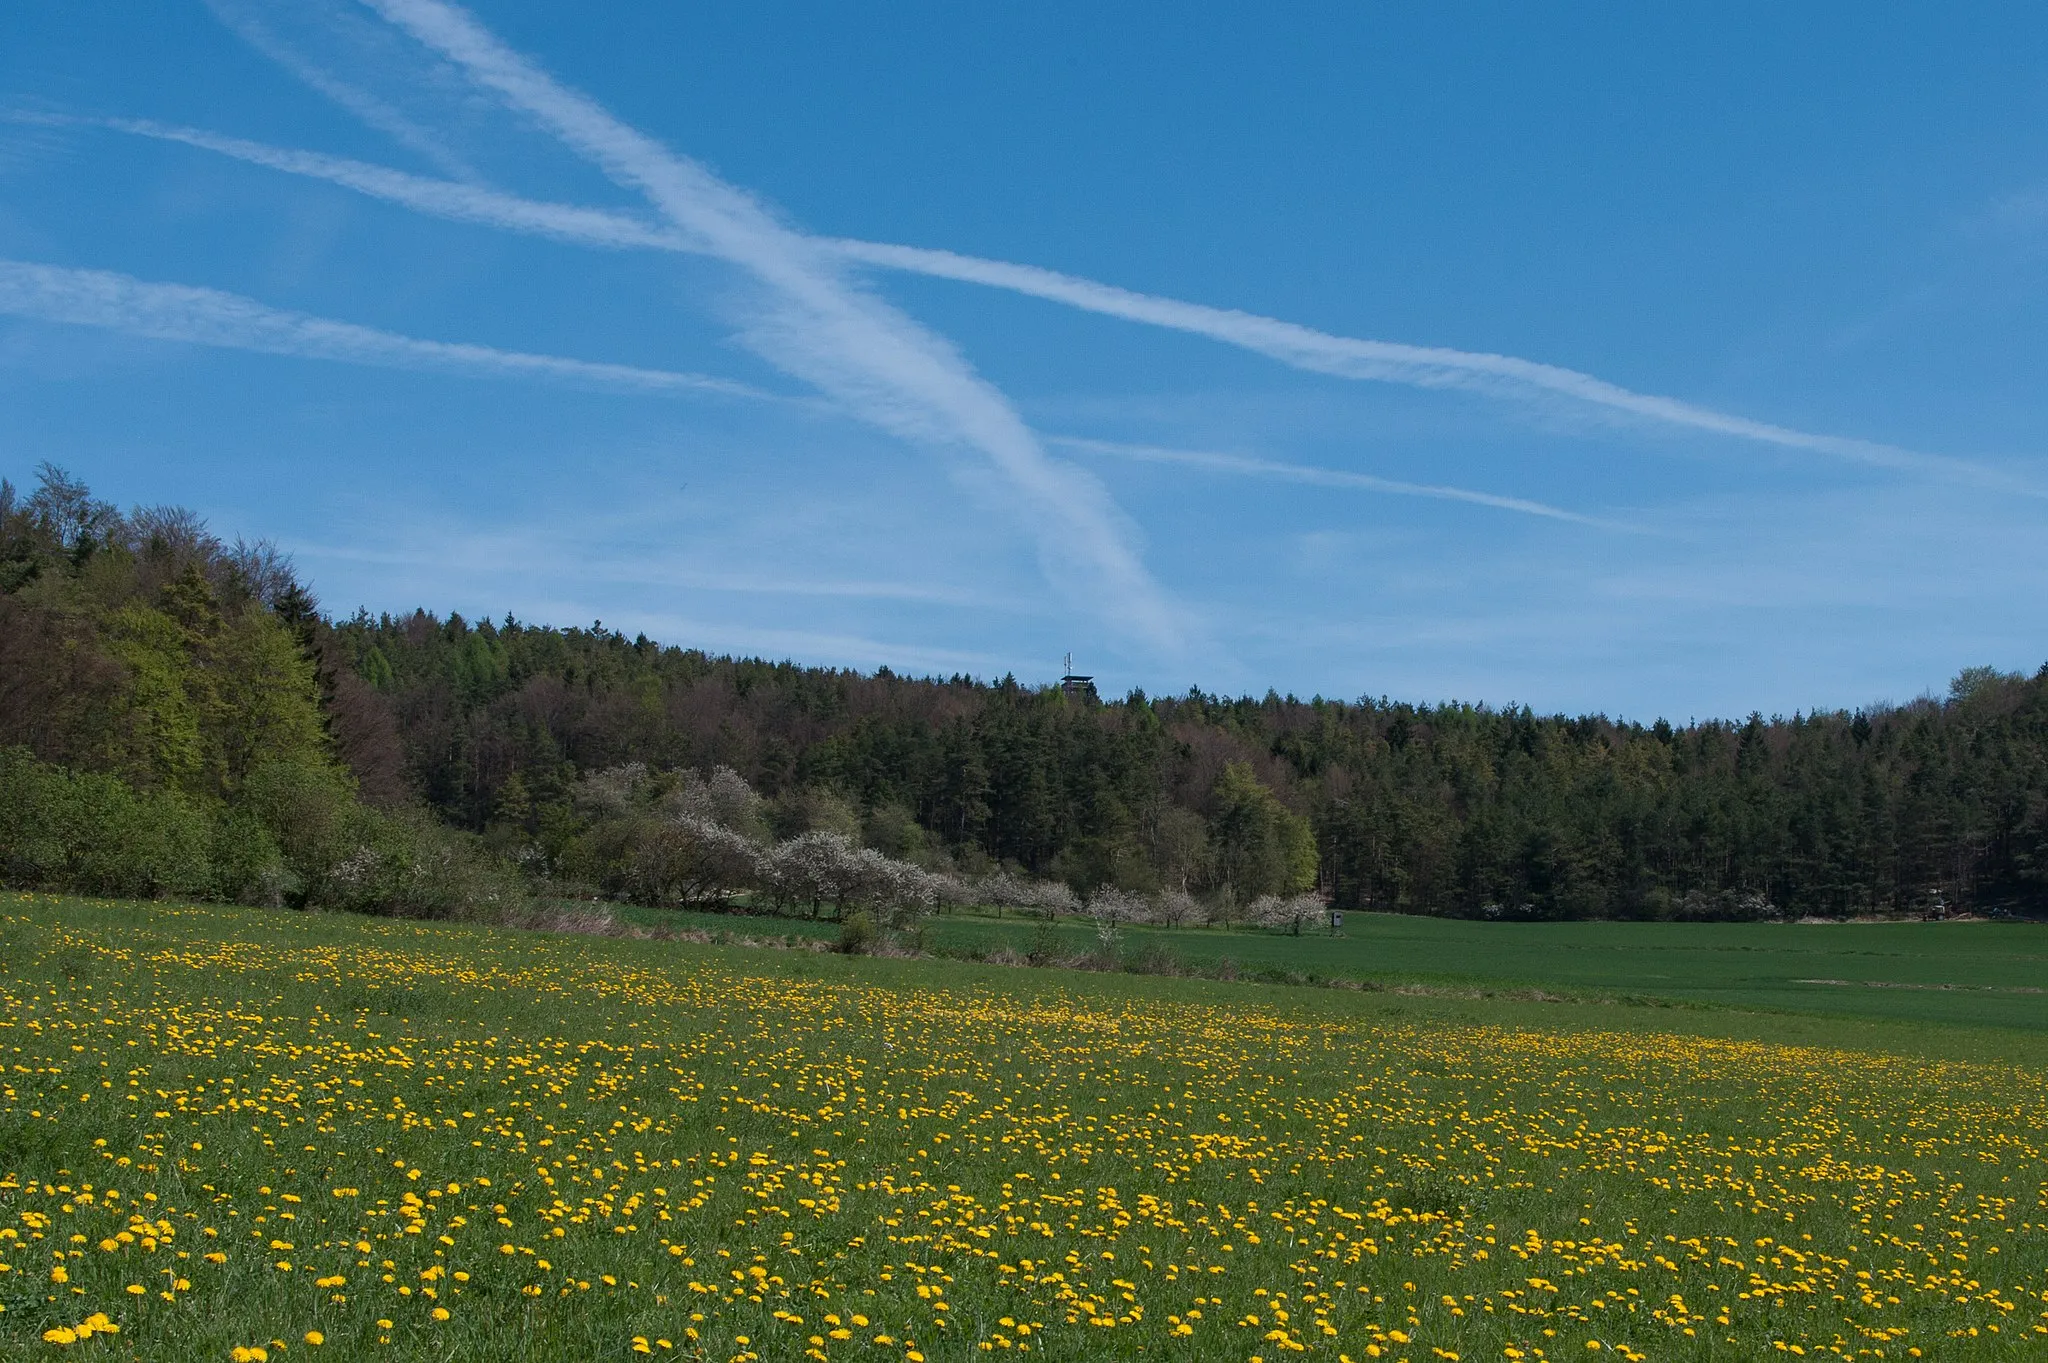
[
  {"x": 1991, "y": 974},
  {"x": 244, "y": 1134}
]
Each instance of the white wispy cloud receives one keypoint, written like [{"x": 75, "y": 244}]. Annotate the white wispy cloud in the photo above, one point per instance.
[
  {"x": 815, "y": 323},
  {"x": 198, "y": 316},
  {"x": 1395, "y": 362},
  {"x": 255, "y": 29},
  {"x": 1251, "y": 466},
  {"x": 456, "y": 200},
  {"x": 602, "y": 227},
  {"x": 1289, "y": 343},
  {"x": 847, "y": 650},
  {"x": 560, "y": 558}
]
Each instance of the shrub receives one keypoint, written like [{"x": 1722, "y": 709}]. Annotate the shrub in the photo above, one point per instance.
[
  {"x": 33, "y": 849},
  {"x": 655, "y": 860},
  {"x": 1726, "y": 906},
  {"x": 723, "y": 798},
  {"x": 248, "y": 865},
  {"x": 408, "y": 864},
  {"x": 1047, "y": 946},
  {"x": 95, "y": 834},
  {"x": 309, "y": 811},
  {"x": 858, "y": 934}
]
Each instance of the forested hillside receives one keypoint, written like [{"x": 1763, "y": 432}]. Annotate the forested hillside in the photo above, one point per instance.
[
  {"x": 1450, "y": 808},
  {"x": 166, "y": 728},
  {"x": 126, "y": 651}
]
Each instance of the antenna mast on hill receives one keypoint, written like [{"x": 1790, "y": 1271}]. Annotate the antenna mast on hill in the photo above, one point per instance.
[{"x": 1074, "y": 684}]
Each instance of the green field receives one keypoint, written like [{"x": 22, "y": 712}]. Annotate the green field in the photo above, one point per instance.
[
  {"x": 1965, "y": 973},
  {"x": 231, "y": 1132}
]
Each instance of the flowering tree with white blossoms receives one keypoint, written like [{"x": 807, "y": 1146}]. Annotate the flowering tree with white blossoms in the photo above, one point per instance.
[
  {"x": 1291, "y": 912},
  {"x": 1111, "y": 909},
  {"x": 1049, "y": 897},
  {"x": 1054, "y": 898},
  {"x": 1174, "y": 909}
]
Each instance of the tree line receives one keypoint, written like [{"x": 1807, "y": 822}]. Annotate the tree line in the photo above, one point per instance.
[
  {"x": 136, "y": 648},
  {"x": 1933, "y": 805}
]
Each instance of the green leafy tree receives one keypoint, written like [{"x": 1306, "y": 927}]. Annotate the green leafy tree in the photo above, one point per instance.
[{"x": 1261, "y": 847}]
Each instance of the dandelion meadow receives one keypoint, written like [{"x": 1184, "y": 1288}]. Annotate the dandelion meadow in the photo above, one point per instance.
[{"x": 250, "y": 1135}]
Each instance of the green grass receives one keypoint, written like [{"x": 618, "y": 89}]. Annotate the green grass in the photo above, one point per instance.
[
  {"x": 570, "y": 1143},
  {"x": 1962, "y": 973}
]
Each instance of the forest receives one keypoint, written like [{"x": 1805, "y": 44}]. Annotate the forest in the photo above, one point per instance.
[{"x": 187, "y": 704}]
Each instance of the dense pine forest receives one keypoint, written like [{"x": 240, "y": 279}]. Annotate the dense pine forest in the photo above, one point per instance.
[{"x": 151, "y": 674}]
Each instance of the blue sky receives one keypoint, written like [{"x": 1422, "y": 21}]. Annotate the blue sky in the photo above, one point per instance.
[{"x": 1708, "y": 375}]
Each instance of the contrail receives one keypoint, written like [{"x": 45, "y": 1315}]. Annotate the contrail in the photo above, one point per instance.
[
  {"x": 253, "y": 30},
  {"x": 210, "y": 317},
  {"x": 1325, "y": 477},
  {"x": 179, "y": 312},
  {"x": 605, "y": 228},
  {"x": 818, "y": 325},
  {"x": 1290, "y": 343},
  {"x": 1389, "y": 361},
  {"x": 455, "y": 200}
]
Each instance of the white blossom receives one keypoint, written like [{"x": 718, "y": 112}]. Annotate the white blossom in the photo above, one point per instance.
[
  {"x": 1292, "y": 912},
  {"x": 1174, "y": 909}
]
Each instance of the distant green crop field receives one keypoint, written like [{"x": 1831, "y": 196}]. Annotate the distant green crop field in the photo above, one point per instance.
[
  {"x": 1969, "y": 973},
  {"x": 242, "y": 1134}
]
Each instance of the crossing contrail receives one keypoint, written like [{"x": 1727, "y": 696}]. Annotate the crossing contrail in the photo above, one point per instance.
[
  {"x": 1388, "y": 361},
  {"x": 816, "y": 323},
  {"x": 605, "y": 228},
  {"x": 1289, "y": 343}
]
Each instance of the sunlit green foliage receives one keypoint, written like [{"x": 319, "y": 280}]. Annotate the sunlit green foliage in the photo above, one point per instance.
[{"x": 162, "y": 728}]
